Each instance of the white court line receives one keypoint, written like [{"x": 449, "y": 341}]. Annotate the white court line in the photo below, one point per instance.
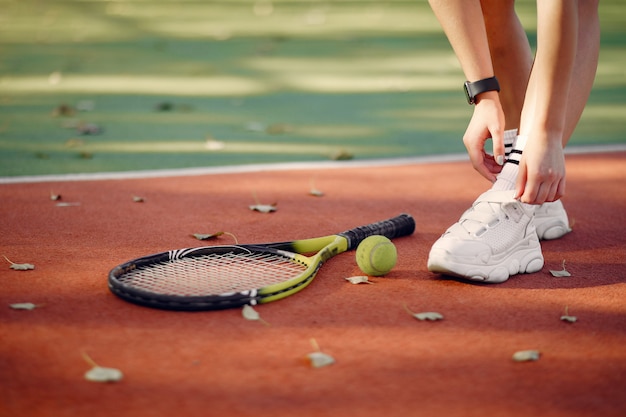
[{"x": 285, "y": 166}]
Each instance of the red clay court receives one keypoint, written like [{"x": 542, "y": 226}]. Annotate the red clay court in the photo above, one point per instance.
[{"x": 387, "y": 362}]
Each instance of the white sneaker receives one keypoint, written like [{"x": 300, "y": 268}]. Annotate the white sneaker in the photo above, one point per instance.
[
  {"x": 494, "y": 239},
  {"x": 551, "y": 221}
]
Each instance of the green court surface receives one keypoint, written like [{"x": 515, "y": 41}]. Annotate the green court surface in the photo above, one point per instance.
[{"x": 102, "y": 86}]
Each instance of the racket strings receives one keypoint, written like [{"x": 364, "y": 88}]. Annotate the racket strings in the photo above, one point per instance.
[{"x": 213, "y": 274}]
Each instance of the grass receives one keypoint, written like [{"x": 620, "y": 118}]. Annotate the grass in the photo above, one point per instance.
[{"x": 206, "y": 83}]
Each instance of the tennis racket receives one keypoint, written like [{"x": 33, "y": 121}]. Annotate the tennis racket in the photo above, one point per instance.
[{"x": 220, "y": 277}]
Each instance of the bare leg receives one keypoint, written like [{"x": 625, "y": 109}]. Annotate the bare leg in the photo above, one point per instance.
[
  {"x": 585, "y": 64},
  {"x": 559, "y": 85},
  {"x": 511, "y": 56}
]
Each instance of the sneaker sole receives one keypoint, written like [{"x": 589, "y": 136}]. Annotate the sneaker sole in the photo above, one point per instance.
[
  {"x": 521, "y": 260},
  {"x": 554, "y": 231}
]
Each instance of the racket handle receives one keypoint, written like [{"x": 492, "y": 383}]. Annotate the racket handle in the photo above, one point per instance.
[{"x": 402, "y": 225}]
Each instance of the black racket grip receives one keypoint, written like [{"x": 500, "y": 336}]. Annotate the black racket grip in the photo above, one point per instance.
[{"x": 402, "y": 225}]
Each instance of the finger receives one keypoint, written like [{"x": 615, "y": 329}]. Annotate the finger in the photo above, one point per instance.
[
  {"x": 520, "y": 183},
  {"x": 558, "y": 190},
  {"x": 561, "y": 189},
  {"x": 530, "y": 193},
  {"x": 543, "y": 194},
  {"x": 492, "y": 166},
  {"x": 485, "y": 172},
  {"x": 553, "y": 192},
  {"x": 497, "y": 139},
  {"x": 477, "y": 156}
]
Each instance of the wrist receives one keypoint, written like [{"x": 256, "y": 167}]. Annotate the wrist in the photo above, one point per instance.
[{"x": 487, "y": 95}]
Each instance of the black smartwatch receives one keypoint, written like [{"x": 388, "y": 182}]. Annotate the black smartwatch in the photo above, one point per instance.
[{"x": 472, "y": 90}]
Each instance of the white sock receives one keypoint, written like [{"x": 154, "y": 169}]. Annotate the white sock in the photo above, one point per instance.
[
  {"x": 509, "y": 141},
  {"x": 507, "y": 177}
]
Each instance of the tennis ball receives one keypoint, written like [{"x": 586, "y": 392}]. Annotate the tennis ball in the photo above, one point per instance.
[{"x": 376, "y": 255}]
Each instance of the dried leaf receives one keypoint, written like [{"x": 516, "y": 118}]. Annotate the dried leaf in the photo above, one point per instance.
[
  {"x": 23, "y": 306},
  {"x": 101, "y": 374},
  {"x": 249, "y": 313},
  {"x": 263, "y": 208},
  {"x": 20, "y": 267},
  {"x": 526, "y": 355},
  {"x": 203, "y": 236},
  {"x": 314, "y": 191},
  {"x": 361, "y": 279},
  {"x": 428, "y": 315},
  {"x": 318, "y": 358},
  {"x": 566, "y": 317},
  {"x": 561, "y": 273}
]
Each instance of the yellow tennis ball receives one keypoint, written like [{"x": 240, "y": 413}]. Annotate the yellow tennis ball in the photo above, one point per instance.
[{"x": 376, "y": 255}]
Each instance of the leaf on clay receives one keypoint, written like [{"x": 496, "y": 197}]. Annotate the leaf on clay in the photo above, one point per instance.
[
  {"x": 207, "y": 236},
  {"x": 263, "y": 208},
  {"x": 23, "y": 306},
  {"x": 425, "y": 316},
  {"x": 20, "y": 267},
  {"x": 360, "y": 279},
  {"x": 249, "y": 313},
  {"x": 99, "y": 373},
  {"x": 561, "y": 273},
  {"x": 319, "y": 359},
  {"x": 314, "y": 191},
  {"x": 526, "y": 355},
  {"x": 567, "y": 318},
  {"x": 429, "y": 315}
]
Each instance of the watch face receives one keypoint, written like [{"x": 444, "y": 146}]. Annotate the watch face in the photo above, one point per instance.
[{"x": 468, "y": 95}]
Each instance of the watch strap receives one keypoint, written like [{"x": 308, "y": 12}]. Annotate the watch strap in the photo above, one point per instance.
[{"x": 473, "y": 89}]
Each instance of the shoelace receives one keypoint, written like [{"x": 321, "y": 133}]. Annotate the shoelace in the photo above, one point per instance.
[{"x": 482, "y": 215}]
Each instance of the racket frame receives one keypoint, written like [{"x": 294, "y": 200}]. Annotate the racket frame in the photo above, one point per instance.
[{"x": 321, "y": 248}]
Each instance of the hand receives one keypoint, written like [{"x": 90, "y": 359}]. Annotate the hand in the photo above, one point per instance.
[
  {"x": 541, "y": 175},
  {"x": 487, "y": 122}
]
